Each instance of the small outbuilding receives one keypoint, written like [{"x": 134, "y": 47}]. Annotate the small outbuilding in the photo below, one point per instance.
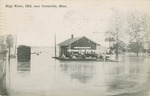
[{"x": 23, "y": 53}]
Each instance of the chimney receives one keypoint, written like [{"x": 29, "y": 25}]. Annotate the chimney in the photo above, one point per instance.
[{"x": 72, "y": 36}]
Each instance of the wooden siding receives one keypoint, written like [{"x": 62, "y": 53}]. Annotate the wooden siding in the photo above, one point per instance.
[
  {"x": 83, "y": 42},
  {"x": 63, "y": 50}
]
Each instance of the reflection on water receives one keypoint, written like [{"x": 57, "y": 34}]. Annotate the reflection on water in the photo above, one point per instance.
[
  {"x": 81, "y": 72},
  {"x": 44, "y": 76},
  {"x": 23, "y": 66},
  {"x": 134, "y": 80}
]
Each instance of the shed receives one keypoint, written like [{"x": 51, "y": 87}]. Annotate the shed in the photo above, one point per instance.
[{"x": 23, "y": 53}]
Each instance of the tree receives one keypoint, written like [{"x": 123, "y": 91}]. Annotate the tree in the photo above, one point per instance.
[
  {"x": 2, "y": 44},
  {"x": 110, "y": 39},
  {"x": 137, "y": 29},
  {"x": 120, "y": 45},
  {"x": 135, "y": 47},
  {"x": 10, "y": 43},
  {"x": 115, "y": 30},
  {"x": 10, "y": 40}
]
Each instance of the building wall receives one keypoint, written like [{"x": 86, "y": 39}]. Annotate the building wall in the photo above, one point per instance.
[
  {"x": 83, "y": 42},
  {"x": 63, "y": 50}
]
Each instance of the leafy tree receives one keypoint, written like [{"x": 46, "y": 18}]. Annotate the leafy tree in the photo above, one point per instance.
[
  {"x": 135, "y": 47},
  {"x": 10, "y": 41},
  {"x": 2, "y": 44},
  {"x": 121, "y": 46},
  {"x": 137, "y": 29},
  {"x": 110, "y": 39},
  {"x": 115, "y": 31}
]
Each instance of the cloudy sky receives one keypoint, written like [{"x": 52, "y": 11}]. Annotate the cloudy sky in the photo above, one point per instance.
[{"x": 37, "y": 26}]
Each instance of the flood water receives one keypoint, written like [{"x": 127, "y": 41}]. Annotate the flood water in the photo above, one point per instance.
[{"x": 45, "y": 76}]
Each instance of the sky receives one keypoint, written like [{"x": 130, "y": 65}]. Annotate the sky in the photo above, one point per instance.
[{"x": 37, "y": 26}]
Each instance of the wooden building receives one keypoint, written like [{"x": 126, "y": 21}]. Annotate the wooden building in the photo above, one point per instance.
[
  {"x": 76, "y": 44},
  {"x": 23, "y": 53}
]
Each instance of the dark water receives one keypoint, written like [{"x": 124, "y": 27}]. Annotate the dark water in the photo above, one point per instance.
[{"x": 44, "y": 76}]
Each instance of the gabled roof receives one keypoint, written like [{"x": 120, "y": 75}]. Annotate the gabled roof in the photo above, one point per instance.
[{"x": 71, "y": 40}]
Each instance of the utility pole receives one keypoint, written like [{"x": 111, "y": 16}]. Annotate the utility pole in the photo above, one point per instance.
[
  {"x": 55, "y": 44},
  {"x": 9, "y": 49},
  {"x": 15, "y": 45},
  {"x": 117, "y": 45}
]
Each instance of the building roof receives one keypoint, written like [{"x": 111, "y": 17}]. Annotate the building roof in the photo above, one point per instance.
[{"x": 71, "y": 40}]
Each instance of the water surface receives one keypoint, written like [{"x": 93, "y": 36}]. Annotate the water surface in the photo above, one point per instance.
[{"x": 45, "y": 76}]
